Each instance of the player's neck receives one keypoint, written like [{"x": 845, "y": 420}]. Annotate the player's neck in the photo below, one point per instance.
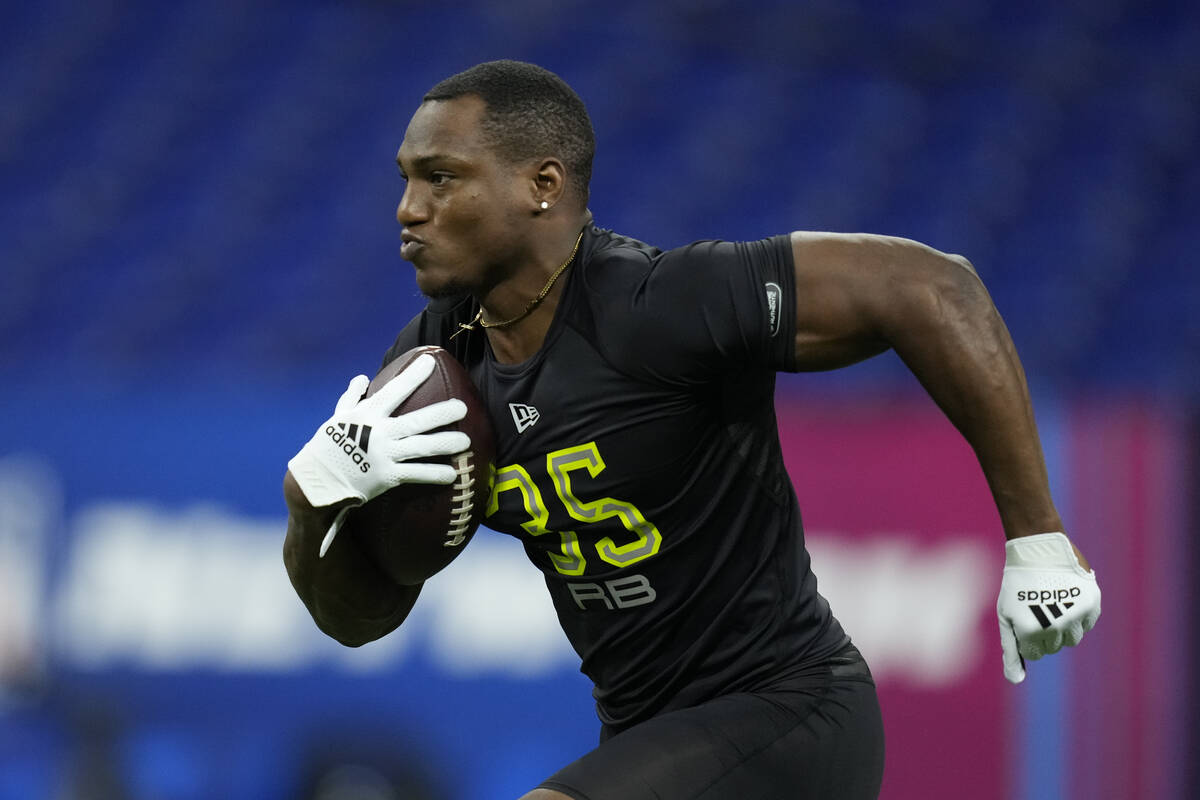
[
  {"x": 521, "y": 342},
  {"x": 517, "y": 314}
]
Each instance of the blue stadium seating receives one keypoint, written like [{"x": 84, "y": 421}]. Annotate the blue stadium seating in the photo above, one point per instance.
[{"x": 204, "y": 180}]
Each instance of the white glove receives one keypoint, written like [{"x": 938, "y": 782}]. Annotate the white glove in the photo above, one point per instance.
[
  {"x": 1047, "y": 599},
  {"x": 361, "y": 451}
]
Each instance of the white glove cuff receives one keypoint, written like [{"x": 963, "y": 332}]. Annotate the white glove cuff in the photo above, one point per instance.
[
  {"x": 1043, "y": 550},
  {"x": 320, "y": 486}
]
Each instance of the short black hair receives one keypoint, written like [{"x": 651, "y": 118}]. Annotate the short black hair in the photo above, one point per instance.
[{"x": 531, "y": 113}]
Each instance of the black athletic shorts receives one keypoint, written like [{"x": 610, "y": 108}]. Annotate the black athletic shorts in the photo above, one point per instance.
[{"x": 818, "y": 736}]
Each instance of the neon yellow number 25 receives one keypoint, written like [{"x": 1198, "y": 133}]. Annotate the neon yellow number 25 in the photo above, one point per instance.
[{"x": 560, "y": 464}]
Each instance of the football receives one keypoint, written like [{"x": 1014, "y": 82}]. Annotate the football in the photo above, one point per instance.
[{"x": 414, "y": 530}]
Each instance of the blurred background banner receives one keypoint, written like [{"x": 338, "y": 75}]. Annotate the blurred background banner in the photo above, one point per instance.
[
  {"x": 904, "y": 541},
  {"x": 198, "y": 249}
]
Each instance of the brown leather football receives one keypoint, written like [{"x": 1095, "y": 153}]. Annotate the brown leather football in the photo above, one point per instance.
[{"x": 414, "y": 530}]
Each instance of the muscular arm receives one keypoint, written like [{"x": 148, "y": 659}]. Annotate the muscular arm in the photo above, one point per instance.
[
  {"x": 348, "y": 597},
  {"x": 858, "y": 295}
]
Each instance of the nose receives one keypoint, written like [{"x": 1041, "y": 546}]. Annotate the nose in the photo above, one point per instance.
[{"x": 411, "y": 210}]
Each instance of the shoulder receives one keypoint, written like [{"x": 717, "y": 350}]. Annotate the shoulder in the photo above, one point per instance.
[
  {"x": 611, "y": 258},
  {"x": 625, "y": 276},
  {"x": 615, "y": 260},
  {"x": 703, "y": 304}
]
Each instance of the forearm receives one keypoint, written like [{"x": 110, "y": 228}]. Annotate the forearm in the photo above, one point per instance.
[
  {"x": 349, "y": 598},
  {"x": 953, "y": 339}
]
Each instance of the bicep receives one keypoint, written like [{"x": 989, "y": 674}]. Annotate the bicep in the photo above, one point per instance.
[{"x": 852, "y": 292}]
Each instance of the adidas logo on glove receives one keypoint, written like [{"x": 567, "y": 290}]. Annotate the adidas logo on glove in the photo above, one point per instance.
[
  {"x": 353, "y": 441},
  {"x": 1048, "y": 595},
  {"x": 1048, "y": 600}
]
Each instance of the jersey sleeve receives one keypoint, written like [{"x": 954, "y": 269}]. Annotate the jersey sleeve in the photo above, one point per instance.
[{"x": 710, "y": 308}]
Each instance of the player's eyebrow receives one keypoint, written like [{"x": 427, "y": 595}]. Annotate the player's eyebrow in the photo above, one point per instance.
[{"x": 421, "y": 162}]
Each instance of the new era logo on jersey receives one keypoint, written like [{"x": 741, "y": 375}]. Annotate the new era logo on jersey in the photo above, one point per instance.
[
  {"x": 353, "y": 441},
  {"x": 1058, "y": 602},
  {"x": 523, "y": 416}
]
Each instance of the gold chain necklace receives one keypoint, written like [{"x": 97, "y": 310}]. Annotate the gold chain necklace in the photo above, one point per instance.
[{"x": 534, "y": 303}]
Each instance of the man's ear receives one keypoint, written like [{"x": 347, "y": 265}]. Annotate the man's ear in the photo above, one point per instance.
[{"x": 548, "y": 186}]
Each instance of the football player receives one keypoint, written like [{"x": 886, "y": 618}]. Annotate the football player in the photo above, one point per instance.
[{"x": 631, "y": 389}]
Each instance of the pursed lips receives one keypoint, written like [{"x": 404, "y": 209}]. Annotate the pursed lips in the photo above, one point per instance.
[{"x": 410, "y": 245}]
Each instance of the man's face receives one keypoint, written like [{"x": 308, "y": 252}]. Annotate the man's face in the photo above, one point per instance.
[{"x": 462, "y": 207}]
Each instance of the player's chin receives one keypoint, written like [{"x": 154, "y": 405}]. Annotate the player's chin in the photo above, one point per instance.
[{"x": 435, "y": 283}]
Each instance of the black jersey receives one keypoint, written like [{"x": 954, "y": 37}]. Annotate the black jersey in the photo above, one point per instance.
[{"x": 638, "y": 461}]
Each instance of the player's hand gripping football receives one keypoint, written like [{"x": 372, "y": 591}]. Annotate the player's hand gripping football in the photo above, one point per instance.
[
  {"x": 362, "y": 451},
  {"x": 1047, "y": 599}
]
